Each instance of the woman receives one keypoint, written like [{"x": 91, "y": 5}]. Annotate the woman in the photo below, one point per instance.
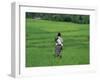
[{"x": 59, "y": 45}]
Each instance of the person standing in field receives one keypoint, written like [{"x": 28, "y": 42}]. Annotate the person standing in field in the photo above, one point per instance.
[{"x": 59, "y": 45}]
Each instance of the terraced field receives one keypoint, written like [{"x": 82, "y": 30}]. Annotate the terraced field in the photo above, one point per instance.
[{"x": 40, "y": 44}]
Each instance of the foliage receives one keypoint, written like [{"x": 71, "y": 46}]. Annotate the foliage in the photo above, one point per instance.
[{"x": 81, "y": 19}]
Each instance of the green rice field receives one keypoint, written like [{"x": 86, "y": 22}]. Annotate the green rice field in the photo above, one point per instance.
[{"x": 40, "y": 43}]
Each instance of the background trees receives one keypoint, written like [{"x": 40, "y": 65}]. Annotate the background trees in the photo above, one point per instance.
[{"x": 80, "y": 19}]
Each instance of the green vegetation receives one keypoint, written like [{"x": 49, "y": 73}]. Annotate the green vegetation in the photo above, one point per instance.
[
  {"x": 40, "y": 44},
  {"x": 80, "y": 19}
]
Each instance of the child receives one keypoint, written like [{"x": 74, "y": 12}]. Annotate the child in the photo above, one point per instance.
[{"x": 59, "y": 45}]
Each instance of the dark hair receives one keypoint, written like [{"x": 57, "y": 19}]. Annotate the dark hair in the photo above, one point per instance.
[{"x": 59, "y": 34}]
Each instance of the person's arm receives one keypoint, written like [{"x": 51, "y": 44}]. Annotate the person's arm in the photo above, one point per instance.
[{"x": 61, "y": 41}]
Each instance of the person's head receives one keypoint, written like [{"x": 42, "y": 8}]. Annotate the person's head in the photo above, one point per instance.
[{"x": 59, "y": 34}]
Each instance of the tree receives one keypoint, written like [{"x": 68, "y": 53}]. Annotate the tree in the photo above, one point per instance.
[{"x": 80, "y": 19}]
